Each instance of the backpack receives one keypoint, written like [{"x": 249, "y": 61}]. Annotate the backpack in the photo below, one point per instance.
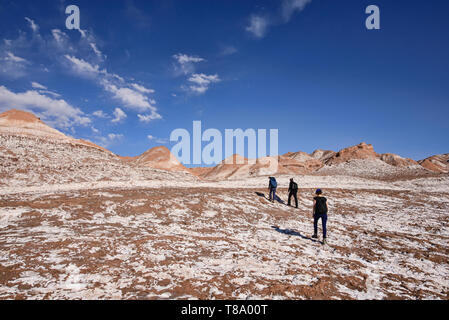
[
  {"x": 273, "y": 182},
  {"x": 294, "y": 186},
  {"x": 320, "y": 206}
]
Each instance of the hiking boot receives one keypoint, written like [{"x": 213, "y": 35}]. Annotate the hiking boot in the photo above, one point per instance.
[
  {"x": 315, "y": 236},
  {"x": 324, "y": 241}
]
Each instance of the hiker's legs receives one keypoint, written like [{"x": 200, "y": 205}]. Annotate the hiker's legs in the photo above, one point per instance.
[
  {"x": 290, "y": 194},
  {"x": 274, "y": 194},
  {"x": 271, "y": 193},
  {"x": 296, "y": 199},
  {"x": 315, "y": 224},
  {"x": 324, "y": 221}
]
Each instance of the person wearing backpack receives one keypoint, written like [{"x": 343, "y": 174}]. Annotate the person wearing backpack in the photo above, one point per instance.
[
  {"x": 272, "y": 188},
  {"x": 293, "y": 192},
  {"x": 319, "y": 212}
]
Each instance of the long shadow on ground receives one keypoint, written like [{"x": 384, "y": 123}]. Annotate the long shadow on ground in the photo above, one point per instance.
[
  {"x": 260, "y": 194},
  {"x": 293, "y": 233}
]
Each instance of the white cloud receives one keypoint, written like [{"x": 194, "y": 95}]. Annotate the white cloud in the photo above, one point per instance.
[
  {"x": 36, "y": 85},
  {"x": 119, "y": 115},
  {"x": 61, "y": 40},
  {"x": 44, "y": 90},
  {"x": 202, "y": 82},
  {"x": 131, "y": 98},
  {"x": 109, "y": 139},
  {"x": 54, "y": 94},
  {"x": 141, "y": 88},
  {"x": 228, "y": 50},
  {"x": 11, "y": 57},
  {"x": 33, "y": 25},
  {"x": 185, "y": 63},
  {"x": 12, "y": 66},
  {"x": 258, "y": 26},
  {"x": 95, "y": 49},
  {"x": 58, "y": 112},
  {"x": 149, "y": 117},
  {"x": 82, "y": 67},
  {"x": 289, "y": 7},
  {"x": 100, "y": 114},
  {"x": 158, "y": 140},
  {"x": 183, "y": 58},
  {"x": 114, "y": 136}
]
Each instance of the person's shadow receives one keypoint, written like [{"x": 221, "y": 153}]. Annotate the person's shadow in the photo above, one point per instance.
[
  {"x": 260, "y": 194},
  {"x": 290, "y": 232}
]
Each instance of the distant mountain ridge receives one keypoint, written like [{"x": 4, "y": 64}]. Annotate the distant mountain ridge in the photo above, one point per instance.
[{"x": 22, "y": 128}]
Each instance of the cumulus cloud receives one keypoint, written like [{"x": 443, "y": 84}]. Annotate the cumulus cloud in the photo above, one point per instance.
[
  {"x": 185, "y": 64},
  {"x": 156, "y": 139},
  {"x": 83, "y": 67},
  {"x": 100, "y": 114},
  {"x": 259, "y": 25},
  {"x": 289, "y": 7},
  {"x": 33, "y": 25},
  {"x": 13, "y": 58},
  {"x": 54, "y": 94},
  {"x": 129, "y": 97},
  {"x": 38, "y": 86},
  {"x": 109, "y": 139},
  {"x": 114, "y": 136},
  {"x": 132, "y": 96},
  {"x": 58, "y": 112},
  {"x": 44, "y": 90},
  {"x": 201, "y": 82},
  {"x": 12, "y": 66},
  {"x": 119, "y": 115},
  {"x": 149, "y": 117},
  {"x": 141, "y": 88},
  {"x": 228, "y": 50}
]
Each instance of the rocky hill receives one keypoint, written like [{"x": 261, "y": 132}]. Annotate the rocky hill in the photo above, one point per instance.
[
  {"x": 32, "y": 153},
  {"x": 437, "y": 163}
]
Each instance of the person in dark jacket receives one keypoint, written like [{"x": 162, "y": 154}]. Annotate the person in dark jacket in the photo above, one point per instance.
[
  {"x": 319, "y": 212},
  {"x": 293, "y": 192},
  {"x": 272, "y": 185}
]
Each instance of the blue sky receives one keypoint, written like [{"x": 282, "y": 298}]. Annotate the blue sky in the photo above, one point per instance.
[{"x": 139, "y": 69}]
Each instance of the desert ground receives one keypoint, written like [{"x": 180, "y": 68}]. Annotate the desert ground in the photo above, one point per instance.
[{"x": 225, "y": 240}]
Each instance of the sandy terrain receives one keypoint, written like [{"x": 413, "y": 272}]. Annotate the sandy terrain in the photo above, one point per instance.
[
  {"x": 79, "y": 222},
  {"x": 386, "y": 241}
]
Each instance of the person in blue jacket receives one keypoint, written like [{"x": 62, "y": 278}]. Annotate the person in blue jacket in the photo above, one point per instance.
[{"x": 272, "y": 188}]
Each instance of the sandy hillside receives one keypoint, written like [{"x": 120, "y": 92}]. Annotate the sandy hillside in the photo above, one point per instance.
[{"x": 34, "y": 154}]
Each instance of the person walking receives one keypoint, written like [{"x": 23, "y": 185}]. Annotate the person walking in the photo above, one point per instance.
[
  {"x": 319, "y": 212},
  {"x": 272, "y": 185},
  {"x": 293, "y": 192}
]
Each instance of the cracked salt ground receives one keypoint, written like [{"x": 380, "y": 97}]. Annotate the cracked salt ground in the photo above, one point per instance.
[{"x": 154, "y": 243}]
